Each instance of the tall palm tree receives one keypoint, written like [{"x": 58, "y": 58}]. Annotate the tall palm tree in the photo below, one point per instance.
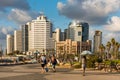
[
  {"x": 102, "y": 51},
  {"x": 108, "y": 47},
  {"x": 113, "y": 43},
  {"x": 117, "y": 46}
]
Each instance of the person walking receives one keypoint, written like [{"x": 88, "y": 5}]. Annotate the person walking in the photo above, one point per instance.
[
  {"x": 54, "y": 62},
  {"x": 84, "y": 64},
  {"x": 43, "y": 62}
]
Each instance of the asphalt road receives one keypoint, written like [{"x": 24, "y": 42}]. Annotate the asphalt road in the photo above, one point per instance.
[{"x": 32, "y": 72}]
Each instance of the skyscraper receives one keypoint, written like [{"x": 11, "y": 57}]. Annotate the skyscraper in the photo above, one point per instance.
[
  {"x": 40, "y": 34},
  {"x": 10, "y": 43},
  {"x": 58, "y": 34},
  {"x": 78, "y": 31},
  {"x": 24, "y": 37},
  {"x": 97, "y": 40},
  {"x": 18, "y": 40},
  {"x": 65, "y": 34}
]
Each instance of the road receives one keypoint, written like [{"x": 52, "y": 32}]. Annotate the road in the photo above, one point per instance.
[{"x": 32, "y": 72}]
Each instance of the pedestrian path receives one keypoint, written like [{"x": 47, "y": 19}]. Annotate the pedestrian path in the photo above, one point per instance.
[
  {"x": 32, "y": 72},
  {"x": 77, "y": 75}
]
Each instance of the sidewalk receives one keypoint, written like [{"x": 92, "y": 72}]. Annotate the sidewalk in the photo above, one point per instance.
[{"x": 77, "y": 75}]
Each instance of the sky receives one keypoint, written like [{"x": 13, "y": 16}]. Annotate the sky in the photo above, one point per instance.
[{"x": 103, "y": 15}]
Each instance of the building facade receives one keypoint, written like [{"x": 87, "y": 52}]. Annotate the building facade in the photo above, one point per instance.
[
  {"x": 18, "y": 40},
  {"x": 24, "y": 37},
  {"x": 66, "y": 34},
  {"x": 58, "y": 34},
  {"x": 78, "y": 31},
  {"x": 40, "y": 34},
  {"x": 72, "y": 47},
  {"x": 10, "y": 43},
  {"x": 97, "y": 41}
]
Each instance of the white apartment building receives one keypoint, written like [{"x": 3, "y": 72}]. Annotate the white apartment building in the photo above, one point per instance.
[
  {"x": 10, "y": 43},
  {"x": 18, "y": 40},
  {"x": 40, "y": 34}
]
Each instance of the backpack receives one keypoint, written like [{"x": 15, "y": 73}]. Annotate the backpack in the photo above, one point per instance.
[
  {"x": 54, "y": 61},
  {"x": 43, "y": 60}
]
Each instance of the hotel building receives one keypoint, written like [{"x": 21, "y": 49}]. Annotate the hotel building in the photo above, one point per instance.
[{"x": 40, "y": 34}]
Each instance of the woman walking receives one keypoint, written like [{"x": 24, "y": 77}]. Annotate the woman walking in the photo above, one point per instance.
[
  {"x": 84, "y": 64},
  {"x": 54, "y": 62}
]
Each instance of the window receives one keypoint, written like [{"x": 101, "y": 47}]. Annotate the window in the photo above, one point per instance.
[{"x": 79, "y": 33}]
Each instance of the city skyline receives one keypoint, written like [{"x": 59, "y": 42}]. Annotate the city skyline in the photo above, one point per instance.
[{"x": 61, "y": 13}]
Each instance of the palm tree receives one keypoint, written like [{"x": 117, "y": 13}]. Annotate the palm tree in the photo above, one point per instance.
[
  {"x": 108, "y": 47},
  {"x": 113, "y": 43},
  {"x": 102, "y": 51},
  {"x": 117, "y": 46}
]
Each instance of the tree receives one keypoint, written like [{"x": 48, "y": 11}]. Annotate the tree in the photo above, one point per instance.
[
  {"x": 60, "y": 49},
  {"x": 108, "y": 47},
  {"x": 117, "y": 46},
  {"x": 113, "y": 43},
  {"x": 102, "y": 51}
]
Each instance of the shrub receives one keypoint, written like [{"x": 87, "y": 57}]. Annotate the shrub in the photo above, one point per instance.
[{"x": 77, "y": 65}]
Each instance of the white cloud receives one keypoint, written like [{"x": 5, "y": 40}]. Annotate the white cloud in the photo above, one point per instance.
[
  {"x": 4, "y": 31},
  {"x": 107, "y": 36},
  {"x": 113, "y": 24},
  {"x": 19, "y": 16},
  {"x": 91, "y": 11}
]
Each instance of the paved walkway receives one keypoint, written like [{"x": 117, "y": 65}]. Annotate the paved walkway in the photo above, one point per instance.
[{"x": 32, "y": 72}]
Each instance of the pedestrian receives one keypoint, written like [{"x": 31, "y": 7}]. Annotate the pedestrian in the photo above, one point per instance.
[
  {"x": 84, "y": 64},
  {"x": 43, "y": 62},
  {"x": 54, "y": 62}
]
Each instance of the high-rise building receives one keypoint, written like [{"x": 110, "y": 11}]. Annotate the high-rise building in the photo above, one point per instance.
[
  {"x": 66, "y": 34},
  {"x": 40, "y": 34},
  {"x": 97, "y": 40},
  {"x": 78, "y": 31},
  {"x": 58, "y": 34},
  {"x": 24, "y": 37},
  {"x": 62, "y": 36},
  {"x": 18, "y": 40},
  {"x": 85, "y": 31},
  {"x": 54, "y": 35},
  {"x": 10, "y": 43}
]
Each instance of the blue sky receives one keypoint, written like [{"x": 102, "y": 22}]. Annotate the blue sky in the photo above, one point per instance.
[{"x": 103, "y": 15}]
